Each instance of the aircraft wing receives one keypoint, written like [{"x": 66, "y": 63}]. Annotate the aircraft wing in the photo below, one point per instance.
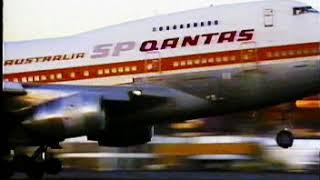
[{"x": 56, "y": 112}]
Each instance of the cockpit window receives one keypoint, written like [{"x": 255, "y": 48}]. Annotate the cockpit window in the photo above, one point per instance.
[{"x": 304, "y": 10}]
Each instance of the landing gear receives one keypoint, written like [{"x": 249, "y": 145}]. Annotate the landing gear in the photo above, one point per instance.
[
  {"x": 38, "y": 164},
  {"x": 5, "y": 164},
  {"x": 285, "y": 138},
  {"x": 7, "y": 168}
]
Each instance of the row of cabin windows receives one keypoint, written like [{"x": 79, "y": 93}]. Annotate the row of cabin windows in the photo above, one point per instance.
[
  {"x": 86, "y": 73},
  {"x": 183, "y": 26},
  {"x": 204, "y": 61},
  {"x": 248, "y": 56},
  {"x": 284, "y": 53}
]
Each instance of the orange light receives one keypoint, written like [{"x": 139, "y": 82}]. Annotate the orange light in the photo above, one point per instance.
[
  {"x": 191, "y": 124},
  {"x": 308, "y": 104}
]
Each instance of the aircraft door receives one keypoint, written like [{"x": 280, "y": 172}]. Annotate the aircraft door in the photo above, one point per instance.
[
  {"x": 249, "y": 56},
  {"x": 268, "y": 17},
  {"x": 152, "y": 62}
]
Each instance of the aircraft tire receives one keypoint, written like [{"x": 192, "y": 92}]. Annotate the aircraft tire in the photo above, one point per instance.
[
  {"x": 35, "y": 170},
  {"x": 8, "y": 170},
  {"x": 285, "y": 139},
  {"x": 53, "y": 166},
  {"x": 21, "y": 162}
]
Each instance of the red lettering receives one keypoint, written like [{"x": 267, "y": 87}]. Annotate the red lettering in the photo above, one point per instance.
[
  {"x": 8, "y": 62},
  {"x": 65, "y": 57},
  {"x": 57, "y": 57},
  {"x": 149, "y": 46},
  {"x": 19, "y": 61},
  {"x": 80, "y": 55},
  {"x": 171, "y": 43},
  {"x": 38, "y": 59},
  {"x": 227, "y": 36},
  {"x": 124, "y": 46},
  {"x": 246, "y": 35},
  {"x": 101, "y": 51},
  {"x": 209, "y": 37},
  {"x": 191, "y": 42},
  {"x": 28, "y": 61},
  {"x": 46, "y": 58}
]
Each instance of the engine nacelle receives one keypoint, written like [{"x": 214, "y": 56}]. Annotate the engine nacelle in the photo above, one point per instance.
[
  {"x": 72, "y": 116},
  {"x": 80, "y": 115}
]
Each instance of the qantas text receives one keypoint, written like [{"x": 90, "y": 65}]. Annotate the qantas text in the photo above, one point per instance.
[
  {"x": 105, "y": 50},
  {"x": 115, "y": 49}
]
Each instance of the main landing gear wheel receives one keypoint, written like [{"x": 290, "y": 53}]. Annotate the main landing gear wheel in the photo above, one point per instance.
[
  {"x": 52, "y": 165},
  {"x": 285, "y": 138},
  {"x": 37, "y": 165},
  {"x": 5, "y": 164}
]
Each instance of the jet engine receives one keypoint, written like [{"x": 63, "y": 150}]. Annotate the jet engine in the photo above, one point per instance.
[
  {"x": 83, "y": 114},
  {"x": 72, "y": 116}
]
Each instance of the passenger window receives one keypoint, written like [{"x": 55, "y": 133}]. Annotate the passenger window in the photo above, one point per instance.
[
  {"x": 225, "y": 58},
  {"x": 59, "y": 76},
  {"x": 43, "y": 77},
  {"x": 114, "y": 70},
  {"x": 127, "y": 69},
  {"x": 36, "y": 78},
  {"x": 72, "y": 74},
  {"x": 134, "y": 68},
  {"x": 86, "y": 73},
  {"x": 120, "y": 69},
  {"x": 291, "y": 53},
  {"x": 30, "y": 79},
  {"x": 204, "y": 61},
  {"x": 24, "y": 79}
]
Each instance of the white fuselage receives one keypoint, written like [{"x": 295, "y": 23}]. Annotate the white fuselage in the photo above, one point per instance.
[{"x": 244, "y": 35}]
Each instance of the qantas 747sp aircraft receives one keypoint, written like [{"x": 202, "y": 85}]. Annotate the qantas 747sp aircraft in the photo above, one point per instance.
[{"x": 113, "y": 84}]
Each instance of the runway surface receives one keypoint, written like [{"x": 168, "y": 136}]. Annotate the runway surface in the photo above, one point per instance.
[{"x": 183, "y": 175}]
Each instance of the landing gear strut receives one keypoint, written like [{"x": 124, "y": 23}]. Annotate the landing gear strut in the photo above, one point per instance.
[
  {"x": 38, "y": 164},
  {"x": 285, "y": 138}
]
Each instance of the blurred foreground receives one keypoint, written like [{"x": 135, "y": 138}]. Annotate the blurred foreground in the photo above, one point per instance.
[
  {"x": 238, "y": 142},
  {"x": 223, "y": 153}
]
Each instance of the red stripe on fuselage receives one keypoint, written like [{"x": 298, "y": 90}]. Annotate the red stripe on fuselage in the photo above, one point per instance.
[{"x": 169, "y": 64}]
